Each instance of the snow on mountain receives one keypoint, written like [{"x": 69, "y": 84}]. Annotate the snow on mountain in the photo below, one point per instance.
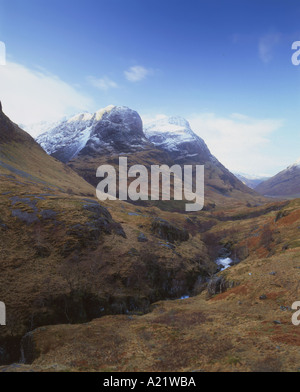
[
  {"x": 86, "y": 139},
  {"x": 175, "y": 135},
  {"x": 68, "y": 138},
  {"x": 109, "y": 129},
  {"x": 170, "y": 132},
  {"x": 119, "y": 130}
]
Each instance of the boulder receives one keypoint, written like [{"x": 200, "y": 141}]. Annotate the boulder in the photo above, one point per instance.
[{"x": 167, "y": 231}]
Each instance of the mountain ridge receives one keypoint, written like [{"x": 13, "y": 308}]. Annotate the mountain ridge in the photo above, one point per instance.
[
  {"x": 119, "y": 131},
  {"x": 284, "y": 184}
]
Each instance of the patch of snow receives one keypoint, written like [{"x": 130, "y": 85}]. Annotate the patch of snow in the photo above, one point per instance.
[
  {"x": 71, "y": 135},
  {"x": 101, "y": 112},
  {"x": 82, "y": 140},
  {"x": 80, "y": 117},
  {"x": 170, "y": 132}
]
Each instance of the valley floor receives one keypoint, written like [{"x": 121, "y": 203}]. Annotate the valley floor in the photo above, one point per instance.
[{"x": 236, "y": 330}]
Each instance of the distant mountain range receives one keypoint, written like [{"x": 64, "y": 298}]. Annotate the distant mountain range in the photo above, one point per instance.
[
  {"x": 251, "y": 181},
  {"x": 87, "y": 140}
]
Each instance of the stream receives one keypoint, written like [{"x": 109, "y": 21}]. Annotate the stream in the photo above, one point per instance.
[{"x": 225, "y": 262}]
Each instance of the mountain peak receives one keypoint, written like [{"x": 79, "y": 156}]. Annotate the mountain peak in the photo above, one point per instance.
[
  {"x": 174, "y": 134},
  {"x": 99, "y": 114},
  {"x": 176, "y": 120},
  {"x": 113, "y": 128},
  {"x": 119, "y": 129},
  {"x": 295, "y": 164},
  {"x": 168, "y": 124}
]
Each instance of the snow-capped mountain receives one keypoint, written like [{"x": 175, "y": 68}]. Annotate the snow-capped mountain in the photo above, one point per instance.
[
  {"x": 87, "y": 140},
  {"x": 107, "y": 130},
  {"x": 175, "y": 135},
  {"x": 285, "y": 183},
  {"x": 169, "y": 132},
  {"x": 118, "y": 130},
  {"x": 67, "y": 138}
]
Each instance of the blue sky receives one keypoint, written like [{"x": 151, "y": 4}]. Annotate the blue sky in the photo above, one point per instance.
[{"x": 224, "y": 65}]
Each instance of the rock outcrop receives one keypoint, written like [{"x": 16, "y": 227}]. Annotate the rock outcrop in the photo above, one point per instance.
[
  {"x": 113, "y": 129},
  {"x": 169, "y": 232}
]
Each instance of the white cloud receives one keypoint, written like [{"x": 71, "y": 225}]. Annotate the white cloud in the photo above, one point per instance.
[
  {"x": 137, "y": 73},
  {"x": 238, "y": 141},
  {"x": 148, "y": 118},
  {"x": 103, "y": 84},
  {"x": 243, "y": 144},
  {"x": 266, "y": 46},
  {"x": 30, "y": 96}
]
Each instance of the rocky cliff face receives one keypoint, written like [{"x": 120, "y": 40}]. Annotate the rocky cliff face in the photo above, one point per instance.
[
  {"x": 87, "y": 141},
  {"x": 175, "y": 136},
  {"x": 114, "y": 129},
  {"x": 120, "y": 130}
]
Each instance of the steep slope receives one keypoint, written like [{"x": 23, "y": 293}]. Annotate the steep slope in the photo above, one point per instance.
[
  {"x": 47, "y": 215},
  {"x": 284, "y": 184},
  {"x": 100, "y": 139},
  {"x": 243, "y": 325},
  {"x": 20, "y": 155},
  {"x": 175, "y": 136},
  {"x": 119, "y": 132},
  {"x": 109, "y": 130},
  {"x": 66, "y": 258}
]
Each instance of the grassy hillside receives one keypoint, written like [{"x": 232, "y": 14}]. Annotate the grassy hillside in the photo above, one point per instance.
[
  {"x": 81, "y": 279},
  {"x": 245, "y": 327},
  {"x": 67, "y": 258}
]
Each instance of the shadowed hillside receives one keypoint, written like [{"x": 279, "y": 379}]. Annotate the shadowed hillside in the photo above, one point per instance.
[{"x": 284, "y": 184}]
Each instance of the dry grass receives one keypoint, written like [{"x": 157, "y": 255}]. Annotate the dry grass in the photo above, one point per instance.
[{"x": 49, "y": 275}]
